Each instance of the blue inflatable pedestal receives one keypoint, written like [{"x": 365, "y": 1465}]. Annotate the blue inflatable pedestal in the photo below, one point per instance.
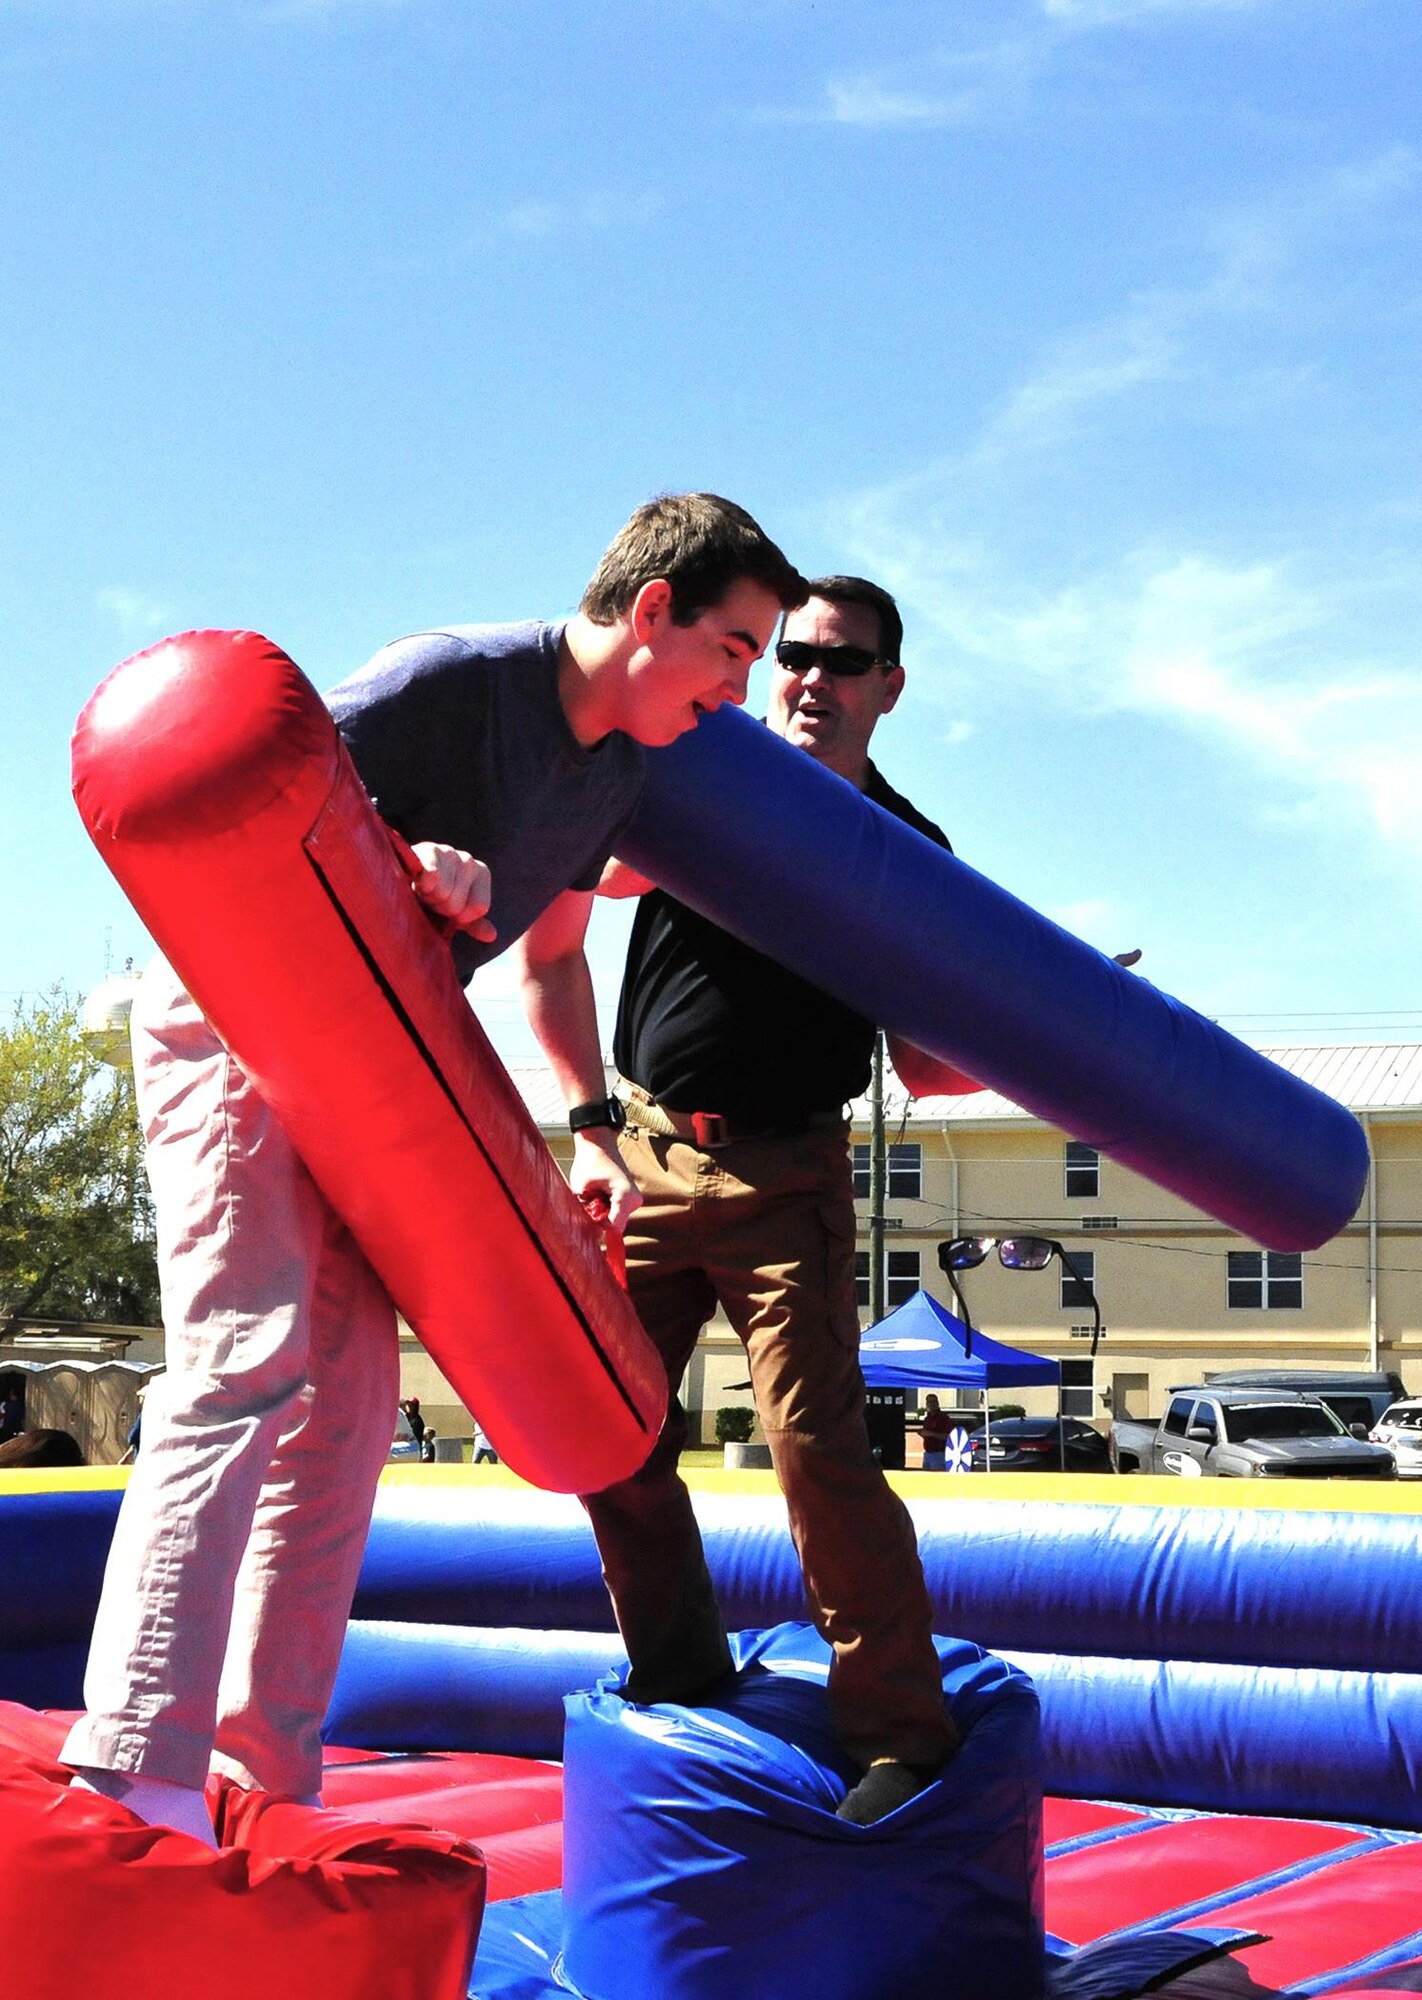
[{"x": 703, "y": 1858}]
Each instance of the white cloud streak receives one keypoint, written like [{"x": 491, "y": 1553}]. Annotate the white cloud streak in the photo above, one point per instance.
[
  {"x": 136, "y": 616},
  {"x": 1271, "y": 657},
  {"x": 955, "y": 89},
  {"x": 598, "y": 210},
  {"x": 1119, "y": 13}
]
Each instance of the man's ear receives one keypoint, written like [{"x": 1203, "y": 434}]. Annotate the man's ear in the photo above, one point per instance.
[
  {"x": 650, "y": 609},
  {"x": 893, "y": 688}
]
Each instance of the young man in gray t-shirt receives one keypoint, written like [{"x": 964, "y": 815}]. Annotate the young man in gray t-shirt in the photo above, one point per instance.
[{"x": 509, "y": 758}]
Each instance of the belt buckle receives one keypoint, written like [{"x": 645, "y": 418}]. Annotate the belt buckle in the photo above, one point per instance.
[{"x": 710, "y": 1130}]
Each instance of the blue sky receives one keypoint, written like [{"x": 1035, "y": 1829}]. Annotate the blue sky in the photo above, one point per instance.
[{"x": 1091, "y": 327}]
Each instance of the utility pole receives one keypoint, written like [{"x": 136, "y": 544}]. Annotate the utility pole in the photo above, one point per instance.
[{"x": 876, "y": 1184}]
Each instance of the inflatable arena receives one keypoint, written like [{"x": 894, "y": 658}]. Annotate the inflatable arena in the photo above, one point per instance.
[
  {"x": 1189, "y": 1727},
  {"x": 1192, "y": 1733}
]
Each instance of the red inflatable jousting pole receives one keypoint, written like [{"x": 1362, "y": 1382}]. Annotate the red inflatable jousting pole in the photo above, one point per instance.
[{"x": 215, "y": 786}]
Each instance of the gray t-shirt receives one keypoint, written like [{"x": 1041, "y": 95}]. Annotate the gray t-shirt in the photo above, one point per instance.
[{"x": 459, "y": 736}]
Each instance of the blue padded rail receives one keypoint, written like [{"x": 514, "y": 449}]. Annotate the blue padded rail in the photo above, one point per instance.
[
  {"x": 1239, "y": 1660},
  {"x": 1287, "y": 1588},
  {"x": 1299, "y": 1742},
  {"x": 1251, "y": 1586}
]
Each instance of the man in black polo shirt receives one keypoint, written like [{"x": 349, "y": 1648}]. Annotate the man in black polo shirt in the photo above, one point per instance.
[{"x": 737, "y": 1074}]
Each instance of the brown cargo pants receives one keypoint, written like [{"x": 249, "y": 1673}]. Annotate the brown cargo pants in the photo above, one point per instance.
[{"x": 766, "y": 1226}]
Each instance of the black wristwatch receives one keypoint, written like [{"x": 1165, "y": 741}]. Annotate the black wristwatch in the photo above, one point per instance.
[{"x": 602, "y": 1111}]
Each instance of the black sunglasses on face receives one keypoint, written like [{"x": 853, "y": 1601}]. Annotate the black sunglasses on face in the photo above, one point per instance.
[{"x": 799, "y": 656}]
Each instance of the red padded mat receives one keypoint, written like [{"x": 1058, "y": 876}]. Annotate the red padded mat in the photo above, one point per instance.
[
  {"x": 1331, "y": 1921},
  {"x": 1069, "y": 1819},
  {"x": 1144, "y": 1875}
]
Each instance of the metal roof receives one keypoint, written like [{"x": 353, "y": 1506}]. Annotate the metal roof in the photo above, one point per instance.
[{"x": 1366, "y": 1076}]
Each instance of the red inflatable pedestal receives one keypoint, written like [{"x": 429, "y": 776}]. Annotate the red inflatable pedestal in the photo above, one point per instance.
[
  {"x": 214, "y": 784},
  {"x": 295, "y": 1904}
]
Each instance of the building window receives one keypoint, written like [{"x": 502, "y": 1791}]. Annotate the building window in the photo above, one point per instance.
[
  {"x": 903, "y": 1172},
  {"x": 1074, "y": 1293},
  {"x": 1078, "y": 1389},
  {"x": 1083, "y": 1171},
  {"x": 1269, "y": 1278},
  {"x": 901, "y": 1278}
]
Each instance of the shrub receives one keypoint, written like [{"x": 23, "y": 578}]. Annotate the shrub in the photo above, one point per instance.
[{"x": 734, "y": 1424}]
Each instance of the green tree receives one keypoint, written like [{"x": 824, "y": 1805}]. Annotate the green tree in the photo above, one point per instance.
[{"x": 76, "y": 1224}]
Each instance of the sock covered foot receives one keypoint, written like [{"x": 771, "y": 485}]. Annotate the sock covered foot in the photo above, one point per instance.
[{"x": 883, "y": 1789}]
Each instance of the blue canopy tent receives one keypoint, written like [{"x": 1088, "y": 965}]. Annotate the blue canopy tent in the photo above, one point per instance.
[{"x": 922, "y": 1343}]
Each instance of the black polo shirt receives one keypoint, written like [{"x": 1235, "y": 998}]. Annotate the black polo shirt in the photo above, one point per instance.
[{"x": 705, "y": 1023}]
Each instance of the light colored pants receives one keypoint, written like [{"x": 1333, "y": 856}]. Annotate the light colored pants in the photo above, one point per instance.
[
  {"x": 240, "y": 1538},
  {"x": 766, "y": 1226}
]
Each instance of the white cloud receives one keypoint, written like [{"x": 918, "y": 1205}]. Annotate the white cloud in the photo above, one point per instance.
[
  {"x": 869, "y": 101},
  {"x": 1110, "y": 13},
  {"x": 1240, "y": 655},
  {"x": 1095, "y": 918},
  {"x": 1284, "y": 636},
  {"x": 1088, "y": 369},
  {"x": 136, "y": 616},
  {"x": 538, "y": 218},
  {"x": 956, "y": 88},
  {"x": 1170, "y": 331},
  {"x": 323, "y": 12},
  {"x": 264, "y": 12}
]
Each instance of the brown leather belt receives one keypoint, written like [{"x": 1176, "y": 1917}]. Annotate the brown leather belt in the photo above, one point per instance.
[{"x": 711, "y": 1129}]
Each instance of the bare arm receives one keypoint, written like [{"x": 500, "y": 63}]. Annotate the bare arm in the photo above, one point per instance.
[{"x": 558, "y": 999}]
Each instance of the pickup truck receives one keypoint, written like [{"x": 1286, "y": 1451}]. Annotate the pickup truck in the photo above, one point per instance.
[{"x": 1217, "y": 1433}]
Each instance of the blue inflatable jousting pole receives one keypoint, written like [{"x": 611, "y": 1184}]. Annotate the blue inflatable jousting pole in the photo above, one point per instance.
[{"x": 795, "y": 861}]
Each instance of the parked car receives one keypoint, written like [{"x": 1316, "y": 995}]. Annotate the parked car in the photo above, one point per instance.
[
  {"x": 1400, "y": 1429},
  {"x": 1032, "y": 1444},
  {"x": 1216, "y": 1433}
]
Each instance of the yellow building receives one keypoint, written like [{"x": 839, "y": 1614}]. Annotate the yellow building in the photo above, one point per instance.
[{"x": 1179, "y": 1294}]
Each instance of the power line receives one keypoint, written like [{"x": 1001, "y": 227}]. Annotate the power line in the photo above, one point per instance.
[
  {"x": 1130, "y": 1242},
  {"x": 1377, "y": 1014}
]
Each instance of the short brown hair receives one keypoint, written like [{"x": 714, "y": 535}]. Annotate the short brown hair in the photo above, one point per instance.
[{"x": 702, "y": 545}]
